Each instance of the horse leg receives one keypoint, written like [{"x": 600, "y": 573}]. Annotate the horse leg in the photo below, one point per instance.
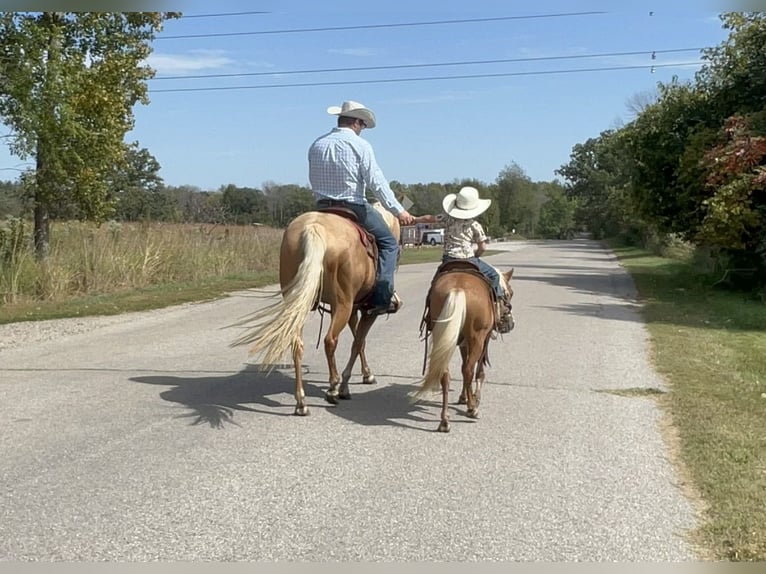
[
  {"x": 444, "y": 424},
  {"x": 340, "y": 316},
  {"x": 463, "y": 398},
  {"x": 480, "y": 376},
  {"x": 300, "y": 397},
  {"x": 367, "y": 377},
  {"x": 472, "y": 357},
  {"x": 357, "y": 348}
]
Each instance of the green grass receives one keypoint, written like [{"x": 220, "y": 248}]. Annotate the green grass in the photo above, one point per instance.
[
  {"x": 141, "y": 299},
  {"x": 163, "y": 294},
  {"x": 710, "y": 345}
]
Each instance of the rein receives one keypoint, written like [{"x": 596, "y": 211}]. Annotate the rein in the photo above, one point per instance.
[
  {"x": 424, "y": 326},
  {"x": 322, "y": 308}
]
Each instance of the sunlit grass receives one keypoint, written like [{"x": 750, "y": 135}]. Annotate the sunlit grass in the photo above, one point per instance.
[
  {"x": 121, "y": 267},
  {"x": 710, "y": 345}
]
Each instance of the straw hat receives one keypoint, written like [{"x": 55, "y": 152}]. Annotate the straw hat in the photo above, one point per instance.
[
  {"x": 353, "y": 109},
  {"x": 465, "y": 204}
]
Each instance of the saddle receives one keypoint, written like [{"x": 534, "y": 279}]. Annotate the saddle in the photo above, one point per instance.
[
  {"x": 458, "y": 266},
  {"x": 367, "y": 238}
]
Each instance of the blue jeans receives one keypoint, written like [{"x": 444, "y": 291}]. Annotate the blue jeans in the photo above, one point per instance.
[
  {"x": 486, "y": 269},
  {"x": 388, "y": 248}
]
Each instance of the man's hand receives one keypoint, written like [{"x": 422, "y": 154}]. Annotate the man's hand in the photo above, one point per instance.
[{"x": 405, "y": 218}]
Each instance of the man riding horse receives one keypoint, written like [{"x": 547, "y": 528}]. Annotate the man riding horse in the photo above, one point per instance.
[{"x": 342, "y": 167}]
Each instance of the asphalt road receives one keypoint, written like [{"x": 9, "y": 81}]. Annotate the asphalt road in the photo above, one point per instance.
[{"x": 146, "y": 438}]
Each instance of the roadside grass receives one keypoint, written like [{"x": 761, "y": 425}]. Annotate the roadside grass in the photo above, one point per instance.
[
  {"x": 710, "y": 345},
  {"x": 119, "y": 267},
  {"x": 138, "y": 299},
  {"x": 137, "y": 267}
]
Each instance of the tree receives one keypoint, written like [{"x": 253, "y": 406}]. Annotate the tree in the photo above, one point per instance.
[
  {"x": 735, "y": 218},
  {"x": 598, "y": 178},
  {"x": 665, "y": 189},
  {"x": 519, "y": 200},
  {"x": 11, "y": 199},
  {"x": 69, "y": 83},
  {"x": 287, "y": 201},
  {"x": 138, "y": 188},
  {"x": 556, "y": 214},
  {"x": 245, "y": 205},
  {"x": 734, "y": 76}
]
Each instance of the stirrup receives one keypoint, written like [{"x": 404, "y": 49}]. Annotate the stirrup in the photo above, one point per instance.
[{"x": 395, "y": 304}]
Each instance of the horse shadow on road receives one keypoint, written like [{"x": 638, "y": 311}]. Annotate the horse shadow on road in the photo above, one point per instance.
[{"x": 215, "y": 399}]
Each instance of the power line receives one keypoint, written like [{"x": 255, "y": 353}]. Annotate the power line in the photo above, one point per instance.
[
  {"x": 431, "y": 78},
  {"x": 370, "y": 26},
  {"x": 650, "y": 53}
]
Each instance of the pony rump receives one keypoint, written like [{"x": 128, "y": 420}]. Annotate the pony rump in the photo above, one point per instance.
[
  {"x": 445, "y": 333},
  {"x": 275, "y": 328}
]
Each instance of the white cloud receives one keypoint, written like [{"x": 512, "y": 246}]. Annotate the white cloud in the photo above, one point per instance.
[{"x": 174, "y": 64}]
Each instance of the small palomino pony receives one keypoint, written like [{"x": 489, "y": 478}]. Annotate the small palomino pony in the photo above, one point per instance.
[
  {"x": 325, "y": 258},
  {"x": 460, "y": 312}
]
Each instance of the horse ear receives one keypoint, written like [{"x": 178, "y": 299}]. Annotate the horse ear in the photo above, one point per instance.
[{"x": 508, "y": 274}]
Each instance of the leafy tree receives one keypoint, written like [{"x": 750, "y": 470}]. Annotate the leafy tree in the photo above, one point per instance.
[
  {"x": 598, "y": 178},
  {"x": 138, "y": 188},
  {"x": 519, "y": 200},
  {"x": 735, "y": 219},
  {"x": 70, "y": 81},
  {"x": 245, "y": 205},
  {"x": 556, "y": 219},
  {"x": 287, "y": 201},
  {"x": 734, "y": 75},
  {"x": 426, "y": 197},
  {"x": 666, "y": 191},
  {"x": 11, "y": 199}
]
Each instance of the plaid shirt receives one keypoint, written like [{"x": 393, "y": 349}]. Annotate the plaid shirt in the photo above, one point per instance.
[
  {"x": 460, "y": 235},
  {"x": 342, "y": 166}
]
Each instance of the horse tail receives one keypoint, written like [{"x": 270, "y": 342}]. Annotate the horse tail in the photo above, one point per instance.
[
  {"x": 445, "y": 335},
  {"x": 275, "y": 328}
]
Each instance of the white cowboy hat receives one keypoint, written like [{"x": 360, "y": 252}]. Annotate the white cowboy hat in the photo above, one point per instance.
[
  {"x": 465, "y": 204},
  {"x": 353, "y": 109}
]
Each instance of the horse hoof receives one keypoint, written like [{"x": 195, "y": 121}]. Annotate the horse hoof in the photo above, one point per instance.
[
  {"x": 473, "y": 414},
  {"x": 369, "y": 380},
  {"x": 301, "y": 411},
  {"x": 443, "y": 427},
  {"x": 331, "y": 398},
  {"x": 345, "y": 396}
]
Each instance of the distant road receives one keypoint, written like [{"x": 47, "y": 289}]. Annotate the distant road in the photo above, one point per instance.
[{"x": 145, "y": 437}]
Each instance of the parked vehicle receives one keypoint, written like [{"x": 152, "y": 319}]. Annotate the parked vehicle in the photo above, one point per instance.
[{"x": 432, "y": 237}]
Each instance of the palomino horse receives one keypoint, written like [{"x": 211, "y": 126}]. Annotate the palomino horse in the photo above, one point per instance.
[
  {"x": 322, "y": 260},
  {"x": 460, "y": 312}
]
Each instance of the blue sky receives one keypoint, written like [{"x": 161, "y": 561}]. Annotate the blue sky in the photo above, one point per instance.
[{"x": 428, "y": 130}]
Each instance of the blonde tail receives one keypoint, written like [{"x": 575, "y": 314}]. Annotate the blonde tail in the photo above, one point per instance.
[
  {"x": 276, "y": 327},
  {"x": 445, "y": 334}
]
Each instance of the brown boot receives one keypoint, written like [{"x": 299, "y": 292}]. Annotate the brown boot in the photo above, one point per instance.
[{"x": 504, "y": 316}]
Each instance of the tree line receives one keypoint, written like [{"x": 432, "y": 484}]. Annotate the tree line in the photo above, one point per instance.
[
  {"x": 692, "y": 164},
  {"x": 520, "y": 206}
]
